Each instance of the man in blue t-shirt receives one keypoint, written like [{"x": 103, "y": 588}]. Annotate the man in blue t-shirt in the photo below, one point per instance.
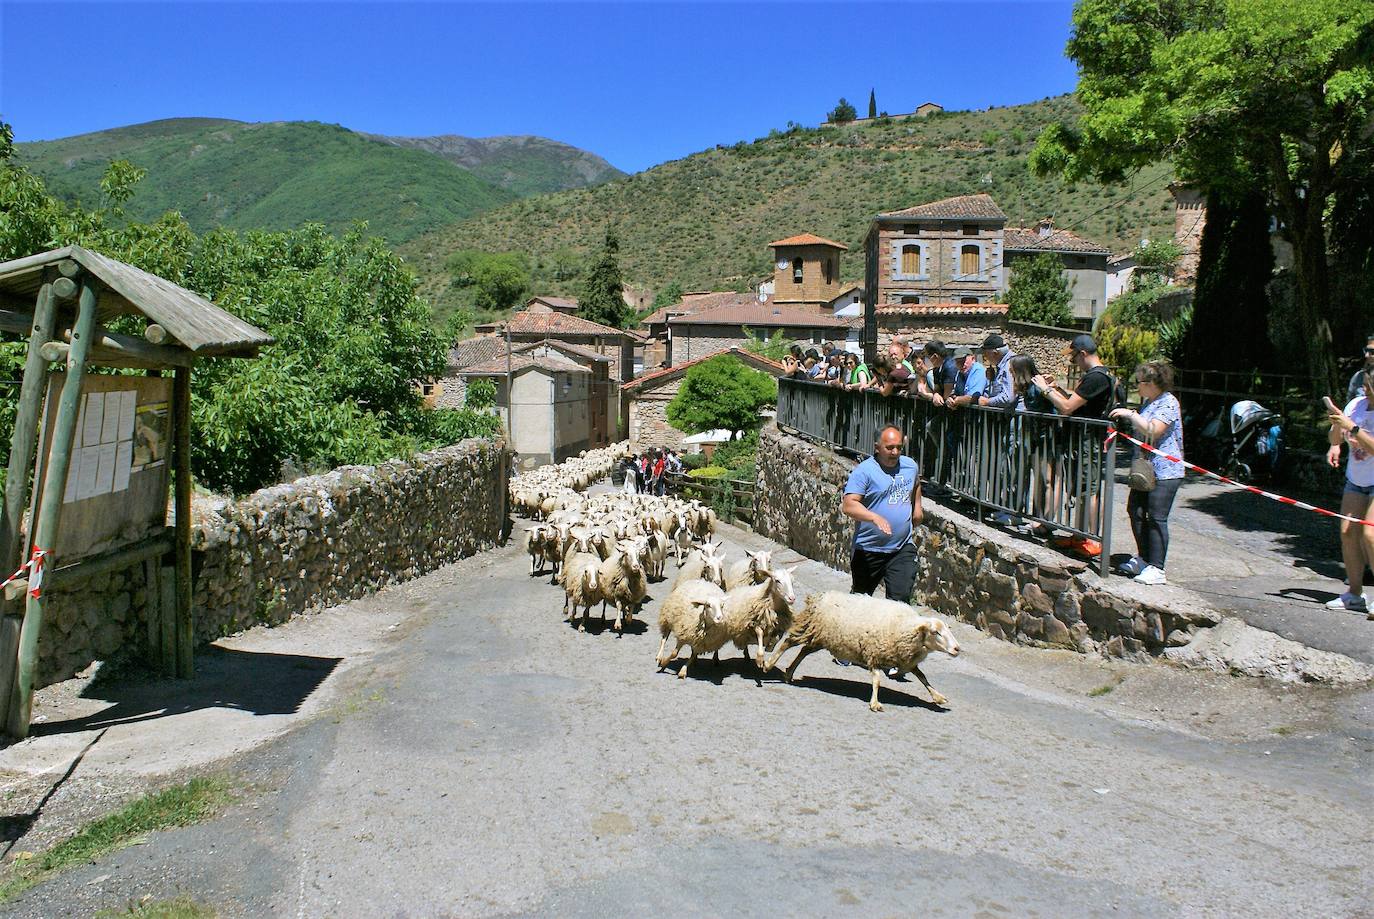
[{"x": 884, "y": 495}]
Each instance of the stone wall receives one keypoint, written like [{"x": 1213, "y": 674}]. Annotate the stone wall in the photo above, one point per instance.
[
  {"x": 1014, "y": 590},
  {"x": 314, "y": 542}
]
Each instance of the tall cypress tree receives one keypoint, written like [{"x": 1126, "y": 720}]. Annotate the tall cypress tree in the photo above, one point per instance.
[
  {"x": 872, "y": 105},
  {"x": 601, "y": 298}
]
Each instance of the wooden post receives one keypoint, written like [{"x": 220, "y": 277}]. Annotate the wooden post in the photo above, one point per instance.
[
  {"x": 48, "y": 514},
  {"x": 185, "y": 617},
  {"x": 23, "y": 443}
]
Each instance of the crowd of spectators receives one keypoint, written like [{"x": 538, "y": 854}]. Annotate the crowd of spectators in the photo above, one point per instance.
[
  {"x": 648, "y": 472},
  {"x": 994, "y": 377}
]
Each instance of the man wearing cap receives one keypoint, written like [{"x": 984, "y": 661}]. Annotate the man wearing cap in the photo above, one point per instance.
[
  {"x": 1000, "y": 392},
  {"x": 1093, "y": 398},
  {"x": 971, "y": 380}
]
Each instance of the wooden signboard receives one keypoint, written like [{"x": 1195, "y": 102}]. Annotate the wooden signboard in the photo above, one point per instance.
[{"x": 116, "y": 490}]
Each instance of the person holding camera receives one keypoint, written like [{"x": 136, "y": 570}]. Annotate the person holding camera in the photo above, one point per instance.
[{"x": 1352, "y": 427}]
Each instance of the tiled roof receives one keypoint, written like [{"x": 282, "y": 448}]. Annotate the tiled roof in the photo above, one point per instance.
[
  {"x": 754, "y": 313},
  {"x": 757, "y": 360},
  {"x": 942, "y": 309},
  {"x": 696, "y": 302},
  {"x": 808, "y": 239},
  {"x": 978, "y": 207},
  {"x": 1029, "y": 239},
  {"x": 474, "y": 351},
  {"x": 519, "y": 362},
  {"x": 565, "y": 303},
  {"x": 526, "y": 322},
  {"x": 575, "y": 349}
]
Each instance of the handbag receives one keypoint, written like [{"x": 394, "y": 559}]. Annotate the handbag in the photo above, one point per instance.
[{"x": 1142, "y": 474}]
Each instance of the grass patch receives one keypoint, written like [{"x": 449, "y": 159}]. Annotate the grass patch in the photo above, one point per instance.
[
  {"x": 180, "y": 805},
  {"x": 1284, "y": 730},
  {"x": 179, "y": 908},
  {"x": 1103, "y": 689}
]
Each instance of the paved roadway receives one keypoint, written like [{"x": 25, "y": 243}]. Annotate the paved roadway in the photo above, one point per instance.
[{"x": 495, "y": 762}]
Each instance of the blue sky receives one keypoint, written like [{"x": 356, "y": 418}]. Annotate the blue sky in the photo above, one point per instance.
[{"x": 638, "y": 83}]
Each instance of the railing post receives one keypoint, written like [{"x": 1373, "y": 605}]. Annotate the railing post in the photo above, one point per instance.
[{"x": 1106, "y": 508}]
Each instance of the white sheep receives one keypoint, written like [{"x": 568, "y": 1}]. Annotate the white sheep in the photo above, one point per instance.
[
  {"x": 760, "y": 612},
  {"x": 623, "y": 582},
  {"x": 581, "y": 586},
  {"x": 703, "y": 564},
  {"x": 692, "y": 614},
  {"x": 877, "y": 633},
  {"x": 749, "y": 570}
]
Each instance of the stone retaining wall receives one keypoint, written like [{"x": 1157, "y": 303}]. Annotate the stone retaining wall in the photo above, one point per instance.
[
  {"x": 314, "y": 542},
  {"x": 1013, "y": 589}
]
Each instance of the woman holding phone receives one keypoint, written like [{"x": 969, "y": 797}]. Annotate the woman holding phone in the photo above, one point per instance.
[{"x": 1352, "y": 426}]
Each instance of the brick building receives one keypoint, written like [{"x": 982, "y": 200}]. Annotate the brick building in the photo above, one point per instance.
[
  {"x": 708, "y": 331},
  {"x": 540, "y": 321},
  {"x": 806, "y": 272},
  {"x": 1085, "y": 263}
]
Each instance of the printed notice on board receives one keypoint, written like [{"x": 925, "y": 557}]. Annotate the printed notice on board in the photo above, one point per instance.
[{"x": 108, "y": 429}]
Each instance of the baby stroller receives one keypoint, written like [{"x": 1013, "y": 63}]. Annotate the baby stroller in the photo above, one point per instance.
[{"x": 1255, "y": 446}]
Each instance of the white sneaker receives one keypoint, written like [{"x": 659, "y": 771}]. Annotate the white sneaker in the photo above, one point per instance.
[
  {"x": 1349, "y": 601},
  {"x": 1150, "y": 575}
]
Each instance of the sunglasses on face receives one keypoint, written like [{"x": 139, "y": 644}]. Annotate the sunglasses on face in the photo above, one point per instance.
[{"x": 1369, "y": 350}]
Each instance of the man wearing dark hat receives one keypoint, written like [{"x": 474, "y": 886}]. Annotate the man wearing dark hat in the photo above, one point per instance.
[
  {"x": 970, "y": 381},
  {"x": 1000, "y": 393}
]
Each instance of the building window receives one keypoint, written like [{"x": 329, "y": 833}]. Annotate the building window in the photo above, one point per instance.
[
  {"x": 970, "y": 258},
  {"x": 1080, "y": 259},
  {"x": 970, "y": 229},
  {"x": 911, "y": 259},
  {"x": 797, "y": 270},
  {"x": 829, "y": 267},
  {"x": 969, "y": 300},
  {"x": 817, "y": 337},
  {"x": 911, "y": 301}
]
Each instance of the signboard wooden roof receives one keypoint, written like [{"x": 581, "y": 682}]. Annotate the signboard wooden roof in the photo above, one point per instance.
[{"x": 192, "y": 322}]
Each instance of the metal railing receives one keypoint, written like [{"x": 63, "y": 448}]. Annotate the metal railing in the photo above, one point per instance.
[{"x": 1047, "y": 469}]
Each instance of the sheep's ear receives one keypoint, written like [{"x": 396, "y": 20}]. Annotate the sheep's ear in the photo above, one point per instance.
[{"x": 923, "y": 631}]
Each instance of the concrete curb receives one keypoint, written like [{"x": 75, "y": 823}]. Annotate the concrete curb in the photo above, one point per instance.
[{"x": 1237, "y": 648}]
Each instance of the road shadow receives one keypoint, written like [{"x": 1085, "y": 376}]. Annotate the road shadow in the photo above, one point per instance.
[
  {"x": 257, "y": 682},
  {"x": 1313, "y": 543},
  {"x": 596, "y": 626},
  {"x": 709, "y": 671},
  {"x": 14, "y": 827},
  {"x": 862, "y": 689}
]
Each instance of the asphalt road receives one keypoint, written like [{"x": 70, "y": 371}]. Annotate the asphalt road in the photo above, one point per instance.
[{"x": 496, "y": 762}]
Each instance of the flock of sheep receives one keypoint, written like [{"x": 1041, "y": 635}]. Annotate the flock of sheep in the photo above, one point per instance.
[{"x": 606, "y": 548}]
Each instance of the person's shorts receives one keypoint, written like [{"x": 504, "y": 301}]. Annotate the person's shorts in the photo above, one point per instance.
[
  {"x": 1352, "y": 489},
  {"x": 896, "y": 571}
]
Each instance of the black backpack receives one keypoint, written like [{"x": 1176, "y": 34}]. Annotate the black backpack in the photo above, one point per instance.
[{"x": 1116, "y": 393}]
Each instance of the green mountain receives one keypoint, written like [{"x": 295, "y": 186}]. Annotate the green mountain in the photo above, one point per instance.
[
  {"x": 705, "y": 221},
  {"x": 524, "y": 164},
  {"x": 275, "y": 175}
]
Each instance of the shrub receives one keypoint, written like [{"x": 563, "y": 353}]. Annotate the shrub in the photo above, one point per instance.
[
  {"x": 708, "y": 472},
  {"x": 1124, "y": 346}
]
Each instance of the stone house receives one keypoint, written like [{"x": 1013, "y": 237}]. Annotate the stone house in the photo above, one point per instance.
[
  {"x": 450, "y": 390},
  {"x": 547, "y": 408},
  {"x": 644, "y": 400},
  {"x": 703, "y": 333},
  {"x": 1085, "y": 263},
  {"x": 960, "y": 251},
  {"x": 539, "y": 322}
]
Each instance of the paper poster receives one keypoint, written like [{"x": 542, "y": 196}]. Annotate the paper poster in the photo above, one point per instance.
[
  {"x": 128, "y": 404},
  {"x": 150, "y": 435},
  {"x": 90, "y": 466},
  {"x": 92, "y": 419},
  {"x": 73, "y": 474},
  {"x": 104, "y": 476},
  {"x": 124, "y": 453}
]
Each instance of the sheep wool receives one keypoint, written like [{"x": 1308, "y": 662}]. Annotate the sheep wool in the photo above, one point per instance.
[
  {"x": 760, "y": 612},
  {"x": 624, "y": 583},
  {"x": 876, "y": 633},
  {"x": 693, "y": 615}
]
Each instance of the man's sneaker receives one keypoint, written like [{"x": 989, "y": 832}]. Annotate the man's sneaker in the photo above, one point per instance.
[
  {"x": 1132, "y": 566},
  {"x": 1002, "y": 518},
  {"x": 1151, "y": 575},
  {"x": 1353, "y": 602}
]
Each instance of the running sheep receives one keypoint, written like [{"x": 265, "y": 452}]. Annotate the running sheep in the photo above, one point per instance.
[
  {"x": 692, "y": 614},
  {"x": 581, "y": 586},
  {"x": 624, "y": 584},
  {"x": 760, "y": 612},
  {"x": 879, "y": 634},
  {"x": 704, "y": 564},
  {"x": 748, "y": 570}
]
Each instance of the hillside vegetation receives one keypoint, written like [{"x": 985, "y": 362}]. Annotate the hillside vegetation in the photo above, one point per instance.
[
  {"x": 523, "y": 164},
  {"x": 279, "y": 175},
  {"x": 705, "y": 221}
]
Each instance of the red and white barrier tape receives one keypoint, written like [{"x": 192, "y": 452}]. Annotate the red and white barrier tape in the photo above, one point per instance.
[
  {"x": 36, "y": 579},
  {"x": 1294, "y": 502}
]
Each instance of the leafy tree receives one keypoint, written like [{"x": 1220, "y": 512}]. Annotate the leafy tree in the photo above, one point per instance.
[
  {"x": 493, "y": 282},
  {"x": 1244, "y": 96},
  {"x": 480, "y": 394},
  {"x": 774, "y": 347},
  {"x": 842, "y": 113},
  {"x": 1123, "y": 347},
  {"x": 1039, "y": 291},
  {"x": 351, "y": 336},
  {"x": 872, "y": 105},
  {"x": 668, "y": 296},
  {"x": 601, "y": 295},
  {"x": 721, "y": 393}
]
